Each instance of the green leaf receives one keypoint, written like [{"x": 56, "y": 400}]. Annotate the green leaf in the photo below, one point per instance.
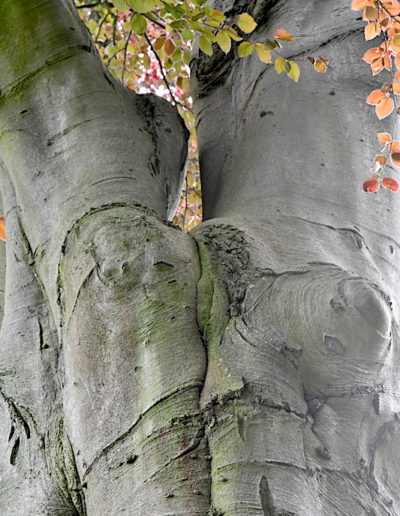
[
  {"x": 121, "y": 5},
  {"x": 280, "y": 64},
  {"x": 245, "y": 48},
  {"x": 205, "y": 45},
  {"x": 186, "y": 56},
  {"x": 246, "y": 23},
  {"x": 142, "y": 6},
  {"x": 92, "y": 26},
  {"x": 294, "y": 72},
  {"x": 187, "y": 34},
  {"x": 138, "y": 24},
  {"x": 177, "y": 55},
  {"x": 195, "y": 26},
  {"x": 223, "y": 40},
  {"x": 263, "y": 53},
  {"x": 178, "y": 25}
]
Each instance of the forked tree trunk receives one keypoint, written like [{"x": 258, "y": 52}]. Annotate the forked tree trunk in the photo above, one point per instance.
[{"x": 248, "y": 368}]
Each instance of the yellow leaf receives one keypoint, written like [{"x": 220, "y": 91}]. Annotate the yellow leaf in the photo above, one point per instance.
[
  {"x": 205, "y": 45},
  {"x": 245, "y": 49},
  {"x": 320, "y": 66},
  {"x": 280, "y": 64},
  {"x": 246, "y": 23},
  {"x": 218, "y": 15},
  {"x": 263, "y": 53},
  {"x": 294, "y": 72},
  {"x": 233, "y": 34},
  {"x": 223, "y": 40}
]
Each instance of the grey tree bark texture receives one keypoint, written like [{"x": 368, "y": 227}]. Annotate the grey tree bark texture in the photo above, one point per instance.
[{"x": 248, "y": 368}]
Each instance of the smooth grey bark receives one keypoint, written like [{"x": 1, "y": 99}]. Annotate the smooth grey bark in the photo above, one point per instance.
[
  {"x": 250, "y": 368},
  {"x": 304, "y": 263}
]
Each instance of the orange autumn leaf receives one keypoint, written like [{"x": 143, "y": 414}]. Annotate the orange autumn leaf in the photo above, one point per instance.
[
  {"x": 395, "y": 146},
  {"x": 381, "y": 159},
  {"x": 384, "y": 138},
  {"x": 283, "y": 35},
  {"x": 384, "y": 108},
  {"x": 394, "y": 9},
  {"x": 372, "y": 54},
  {"x": 384, "y": 19},
  {"x": 395, "y": 157},
  {"x": 371, "y": 185},
  {"x": 2, "y": 228},
  {"x": 389, "y": 182},
  {"x": 377, "y": 65},
  {"x": 375, "y": 97},
  {"x": 371, "y": 14},
  {"x": 372, "y": 30},
  {"x": 396, "y": 87},
  {"x": 169, "y": 47},
  {"x": 387, "y": 63}
]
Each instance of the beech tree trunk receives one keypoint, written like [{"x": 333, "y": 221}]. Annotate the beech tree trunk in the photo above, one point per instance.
[{"x": 249, "y": 367}]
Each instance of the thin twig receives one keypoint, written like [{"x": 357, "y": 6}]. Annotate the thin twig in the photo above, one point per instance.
[
  {"x": 113, "y": 56},
  {"x": 100, "y": 27},
  {"x": 125, "y": 52},
  {"x": 391, "y": 15},
  {"x": 186, "y": 202},
  {"x": 153, "y": 21},
  {"x": 88, "y": 6},
  {"x": 163, "y": 73}
]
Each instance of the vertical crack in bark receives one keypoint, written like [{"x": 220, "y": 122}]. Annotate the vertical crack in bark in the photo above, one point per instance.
[
  {"x": 267, "y": 502},
  {"x": 68, "y": 473},
  {"x": 14, "y": 451}
]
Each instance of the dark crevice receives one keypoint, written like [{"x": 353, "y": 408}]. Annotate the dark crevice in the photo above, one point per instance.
[
  {"x": 14, "y": 451},
  {"x": 42, "y": 344},
  {"x": 267, "y": 501},
  {"x": 12, "y": 431}
]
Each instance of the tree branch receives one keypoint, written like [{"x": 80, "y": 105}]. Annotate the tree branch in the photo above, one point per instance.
[{"x": 88, "y": 6}]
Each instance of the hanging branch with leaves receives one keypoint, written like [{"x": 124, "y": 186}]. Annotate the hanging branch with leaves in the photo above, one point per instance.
[{"x": 382, "y": 17}]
